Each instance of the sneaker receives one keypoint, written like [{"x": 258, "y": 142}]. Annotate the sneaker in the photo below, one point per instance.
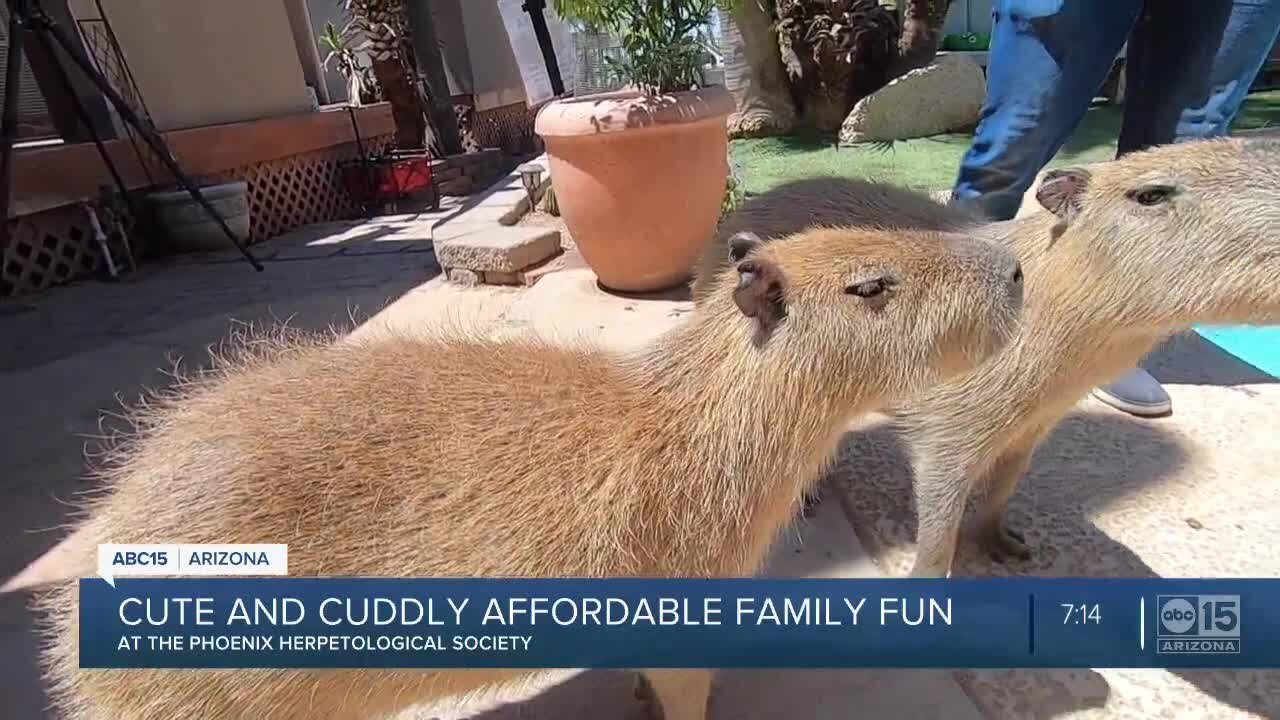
[{"x": 1136, "y": 393}]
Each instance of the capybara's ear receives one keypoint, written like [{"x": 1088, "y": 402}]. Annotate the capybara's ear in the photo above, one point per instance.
[
  {"x": 743, "y": 242},
  {"x": 1061, "y": 192},
  {"x": 759, "y": 293}
]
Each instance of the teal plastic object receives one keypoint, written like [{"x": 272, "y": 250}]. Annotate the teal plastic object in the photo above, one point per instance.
[{"x": 1257, "y": 345}]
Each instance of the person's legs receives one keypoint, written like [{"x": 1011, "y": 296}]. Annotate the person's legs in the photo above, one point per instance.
[
  {"x": 1047, "y": 59},
  {"x": 1189, "y": 67}
]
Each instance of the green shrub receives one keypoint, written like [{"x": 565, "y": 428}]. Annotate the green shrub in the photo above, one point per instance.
[{"x": 664, "y": 41}]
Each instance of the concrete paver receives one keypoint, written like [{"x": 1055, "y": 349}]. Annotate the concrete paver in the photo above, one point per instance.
[
  {"x": 493, "y": 247},
  {"x": 570, "y": 306}
]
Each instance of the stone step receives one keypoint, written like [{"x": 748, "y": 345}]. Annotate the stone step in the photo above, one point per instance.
[{"x": 494, "y": 248}]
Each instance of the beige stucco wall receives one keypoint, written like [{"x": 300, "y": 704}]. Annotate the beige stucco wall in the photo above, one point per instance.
[
  {"x": 199, "y": 62},
  {"x": 452, "y": 36},
  {"x": 495, "y": 77}
]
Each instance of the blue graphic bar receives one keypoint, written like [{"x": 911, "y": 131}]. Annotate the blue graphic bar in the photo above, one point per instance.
[{"x": 297, "y": 622}]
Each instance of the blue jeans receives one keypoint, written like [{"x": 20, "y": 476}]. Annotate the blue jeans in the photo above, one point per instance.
[{"x": 1188, "y": 67}]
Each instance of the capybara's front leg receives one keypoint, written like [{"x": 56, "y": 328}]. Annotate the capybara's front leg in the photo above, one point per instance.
[
  {"x": 996, "y": 538},
  {"x": 941, "y": 489},
  {"x": 676, "y": 694}
]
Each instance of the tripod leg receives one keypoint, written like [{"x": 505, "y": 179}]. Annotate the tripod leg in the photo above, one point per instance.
[
  {"x": 149, "y": 134},
  {"x": 9, "y": 120},
  {"x": 88, "y": 124}
]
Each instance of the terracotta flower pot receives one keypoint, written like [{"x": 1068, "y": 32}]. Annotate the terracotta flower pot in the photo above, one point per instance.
[{"x": 639, "y": 180}]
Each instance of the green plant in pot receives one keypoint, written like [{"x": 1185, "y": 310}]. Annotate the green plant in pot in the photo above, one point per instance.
[{"x": 640, "y": 174}]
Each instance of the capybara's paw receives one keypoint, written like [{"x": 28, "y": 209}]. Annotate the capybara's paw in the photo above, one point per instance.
[{"x": 1004, "y": 544}]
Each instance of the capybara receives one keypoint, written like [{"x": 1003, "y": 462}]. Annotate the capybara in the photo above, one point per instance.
[
  {"x": 825, "y": 202},
  {"x": 1130, "y": 252},
  {"x": 449, "y": 455}
]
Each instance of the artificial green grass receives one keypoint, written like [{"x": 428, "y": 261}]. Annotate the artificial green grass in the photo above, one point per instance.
[{"x": 931, "y": 163}]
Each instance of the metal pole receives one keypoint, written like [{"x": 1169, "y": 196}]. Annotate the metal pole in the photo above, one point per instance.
[
  {"x": 9, "y": 120},
  {"x": 534, "y": 8},
  {"x": 83, "y": 114},
  {"x": 42, "y": 22}
]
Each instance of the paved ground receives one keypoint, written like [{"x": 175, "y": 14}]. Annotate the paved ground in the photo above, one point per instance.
[{"x": 1188, "y": 495}]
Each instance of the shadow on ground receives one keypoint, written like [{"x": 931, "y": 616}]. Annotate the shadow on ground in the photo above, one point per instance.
[
  {"x": 1188, "y": 359},
  {"x": 78, "y": 350}
]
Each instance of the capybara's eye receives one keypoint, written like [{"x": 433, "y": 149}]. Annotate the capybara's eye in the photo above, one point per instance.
[
  {"x": 1151, "y": 195},
  {"x": 867, "y": 288}
]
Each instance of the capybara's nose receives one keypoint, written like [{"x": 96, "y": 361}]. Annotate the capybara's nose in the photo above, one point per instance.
[{"x": 1015, "y": 277}]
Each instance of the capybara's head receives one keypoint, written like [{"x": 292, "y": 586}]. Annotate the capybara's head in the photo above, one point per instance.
[
  {"x": 1173, "y": 235},
  {"x": 892, "y": 310}
]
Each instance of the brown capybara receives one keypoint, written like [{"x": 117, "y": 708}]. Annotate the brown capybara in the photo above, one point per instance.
[
  {"x": 456, "y": 456},
  {"x": 1132, "y": 250}
]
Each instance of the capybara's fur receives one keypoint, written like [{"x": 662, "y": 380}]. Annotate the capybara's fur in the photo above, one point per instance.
[
  {"x": 1131, "y": 251},
  {"x": 827, "y": 202},
  {"x": 455, "y": 456}
]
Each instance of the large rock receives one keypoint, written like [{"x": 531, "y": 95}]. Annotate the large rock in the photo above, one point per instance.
[{"x": 945, "y": 96}]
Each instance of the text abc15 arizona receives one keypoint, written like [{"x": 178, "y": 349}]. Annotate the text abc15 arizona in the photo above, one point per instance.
[{"x": 1198, "y": 624}]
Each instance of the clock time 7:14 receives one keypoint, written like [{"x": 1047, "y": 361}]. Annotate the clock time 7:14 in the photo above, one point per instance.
[{"x": 1082, "y": 614}]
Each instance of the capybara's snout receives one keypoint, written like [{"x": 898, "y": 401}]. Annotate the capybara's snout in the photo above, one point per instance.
[
  {"x": 1007, "y": 271},
  {"x": 1006, "y": 308},
  {"x": 996, "y": 275}
]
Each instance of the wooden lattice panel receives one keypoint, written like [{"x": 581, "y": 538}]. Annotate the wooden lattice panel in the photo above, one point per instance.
[
  {"x": 509, "y": 127},
  {"x": 48, "y": 248},
  {"x": 300, "y": 189},
  {"x": 465, "y": 115},
  {"x": 57, "y": 245}
]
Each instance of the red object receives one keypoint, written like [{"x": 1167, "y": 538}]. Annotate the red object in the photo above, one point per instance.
[{"x": 387, "y": 179}]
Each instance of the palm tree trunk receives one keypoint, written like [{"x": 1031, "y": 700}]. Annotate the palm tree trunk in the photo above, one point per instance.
[
  {"x": 386, "y": 24},
  {"x": 922, "y": 22},
  {"x": 397, "y": 88},
  {"x": 754, "y": 73}
]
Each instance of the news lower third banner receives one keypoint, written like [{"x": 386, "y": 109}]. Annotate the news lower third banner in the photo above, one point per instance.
[{"x": 295, "y": 622}]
